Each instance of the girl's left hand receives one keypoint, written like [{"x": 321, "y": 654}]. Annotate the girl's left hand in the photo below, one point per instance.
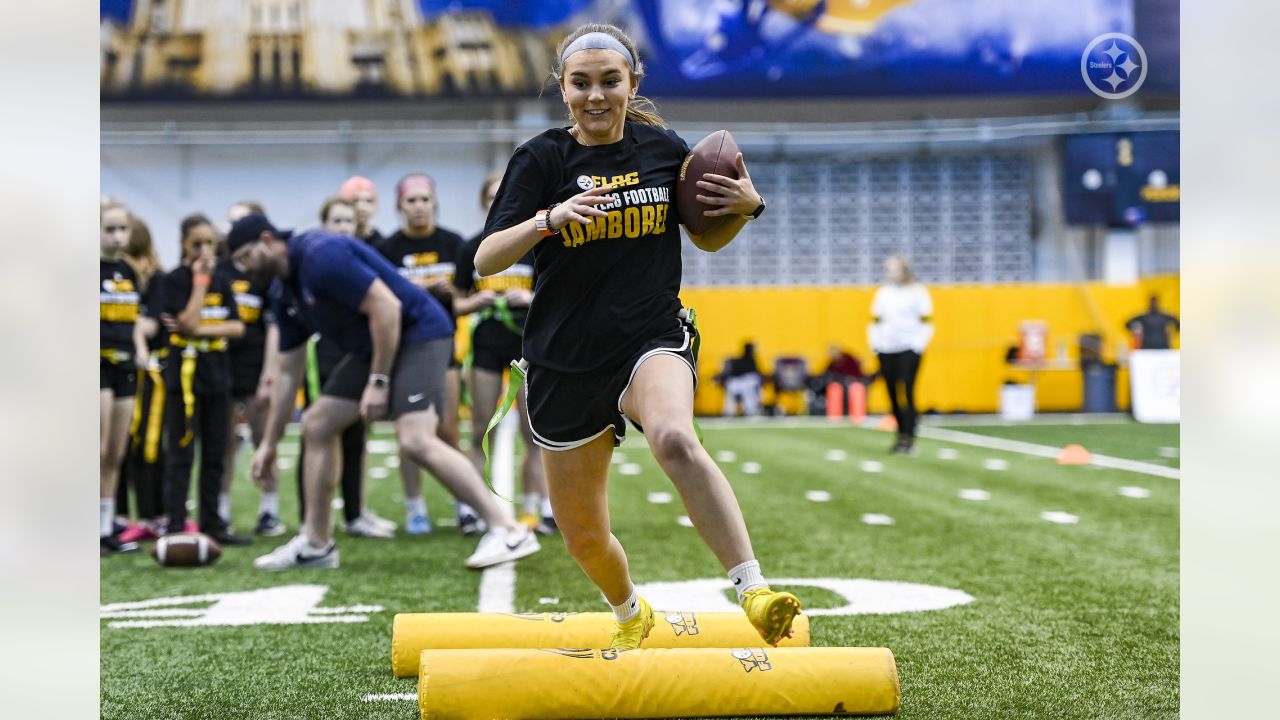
[{"x": 735, "y": 197}]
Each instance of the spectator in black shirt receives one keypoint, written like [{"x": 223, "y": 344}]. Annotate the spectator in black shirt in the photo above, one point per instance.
[
  {"x": 143, "y": 468},
  {"x": 198, "y": 316},
  {"x": 119, "y": 354},
  {"x": 426, "y": 254},
  {"x": 362, "y": 194},
  {"x": 606, "y": 336},
  {"x": 1151, "y": 329},
  {"x": 497, "y": 306},
  {"x": 250, "y": 357}
]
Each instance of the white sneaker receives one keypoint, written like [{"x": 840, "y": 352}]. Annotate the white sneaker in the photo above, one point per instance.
[
  {"x": 373, "y": 517},
  {"x": 364, "y": 527},
  {"x": 501, "y": 545},
  {"x": 298, "y": 553}
]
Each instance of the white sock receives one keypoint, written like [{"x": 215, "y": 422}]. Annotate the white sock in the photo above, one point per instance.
[
  {"x": 529, "y": 504},
  {"x": 270, "y": 503},
  {"x": 224, "y": 507},
  {"x": 628, "y": 609},
  {"x": 106, "y": 516},
  {"x": 465, "y": 509},
  {"x": 546, "y": 508},
  {"x": 415, "y": 506},
  {"x": 747, "y": 576}
]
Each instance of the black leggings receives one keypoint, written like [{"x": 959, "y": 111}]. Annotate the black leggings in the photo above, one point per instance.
[
  {"x": 352, "y": 477},
  {"x": 209, "y": 425},
  {"x": 899, "y": 370}
]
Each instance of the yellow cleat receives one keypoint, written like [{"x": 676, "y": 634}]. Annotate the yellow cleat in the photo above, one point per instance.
[
  {"x": 628, "y": 635},
  {"x": 771, "y": 613}
]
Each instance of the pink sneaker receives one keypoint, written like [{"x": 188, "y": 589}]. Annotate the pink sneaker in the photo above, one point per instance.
[
  {"x": 190, "y": 526},
  {"x": 137, "y": 532}
]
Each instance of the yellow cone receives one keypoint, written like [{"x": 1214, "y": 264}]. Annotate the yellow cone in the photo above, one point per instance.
[
  {"x": 658, "y": 683},
  {"x": 411, "y": 633}
]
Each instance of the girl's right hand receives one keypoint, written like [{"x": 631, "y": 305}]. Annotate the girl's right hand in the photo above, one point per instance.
[{"x": 580, "y": 208}]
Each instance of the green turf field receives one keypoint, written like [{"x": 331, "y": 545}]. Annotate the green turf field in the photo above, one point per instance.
[{"x": 1067, "y": 620}]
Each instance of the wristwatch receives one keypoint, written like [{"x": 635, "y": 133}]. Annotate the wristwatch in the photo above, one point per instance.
[
  {"x": 542, "y": 221},
  {"x": 757, "y": 212},
  {"x": 379, "y": 380}
]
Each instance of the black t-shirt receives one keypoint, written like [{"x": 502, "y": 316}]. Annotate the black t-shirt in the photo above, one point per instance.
[
  {"x": 429, "y": 258},
  {"x": 253, "y": 305},
  {"x": 491, "y": 331},
  {"x": 1154, "y": 326},
  {"x": 603, "y": 289},
  {"x": 118, "y": 305},
  {"x": 375, "y": 238},
  {"x": 149, "y": 295},
  {"x": 170, "y": 293}
]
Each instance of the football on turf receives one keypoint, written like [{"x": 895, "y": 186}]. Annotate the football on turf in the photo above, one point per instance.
[
  {"x": 186, "y": 550},
  {"x": 716, "y": 153}
]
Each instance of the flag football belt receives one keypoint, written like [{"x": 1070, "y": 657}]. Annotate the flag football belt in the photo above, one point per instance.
[
  {"x": 313, "y": 370},
  {"x": 191, "y": 349},
  {"x": 500, "y": 311},
  {"x": 155, "y": 413},
  {"x": 519, "y": 370},
  {"x": 115, "y": 357}
]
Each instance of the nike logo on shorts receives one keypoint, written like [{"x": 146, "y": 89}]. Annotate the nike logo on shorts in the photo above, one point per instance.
[{"x": 417, "y": 398}]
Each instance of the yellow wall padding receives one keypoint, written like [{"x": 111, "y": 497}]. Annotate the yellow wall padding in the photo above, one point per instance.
[
  {"x": 964, "y": 367},
  {"x": 657, "y": 683},
  {"x": 411, "y": 633}
]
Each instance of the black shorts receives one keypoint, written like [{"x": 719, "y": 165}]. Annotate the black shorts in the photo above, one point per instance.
[
  {"x": 569, "y": 410},
  {"x": 417, "y": 378},
  {"x": 120, "y": 378},
  {"x": 246, "y": 370},
  {"x": 498, "y": 357}
]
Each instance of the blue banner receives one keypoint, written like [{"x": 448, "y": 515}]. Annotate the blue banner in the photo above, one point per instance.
[{"x": 709, "y": 48}]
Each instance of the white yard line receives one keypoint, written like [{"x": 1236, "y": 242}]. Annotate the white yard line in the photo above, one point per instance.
[
  {"x": 872, "y": 421},
  {"x": 1045, "y": 451},
  {"x": 963, "y": 438},
  {"x": 390, "y": 696},
  {"x": 498, "y": 582}
]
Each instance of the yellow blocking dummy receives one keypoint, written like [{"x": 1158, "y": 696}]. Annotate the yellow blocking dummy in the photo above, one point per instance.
[
  {"x": 411, "y": 633},
  {"x": 659, "y": 683}
]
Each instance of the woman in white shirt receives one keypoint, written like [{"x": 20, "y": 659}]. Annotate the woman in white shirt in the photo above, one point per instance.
[{"x": 901, "y": 327}]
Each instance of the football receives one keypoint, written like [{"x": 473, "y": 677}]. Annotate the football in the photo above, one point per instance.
[
  {"x": 186, "y": 550},
  {"x": 716, "y": 153}
]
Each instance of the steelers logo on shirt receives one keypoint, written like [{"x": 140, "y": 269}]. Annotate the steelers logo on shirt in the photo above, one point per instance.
[{"x": 585, "y": 182}]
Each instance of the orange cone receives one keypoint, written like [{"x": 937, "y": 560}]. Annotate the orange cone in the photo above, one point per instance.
[
  {"x": 1074, "y": 455},
  {"x": 835, "y": 401},
  {"x": 857, "y": 402},
  {"x": 888, "y": 423}
]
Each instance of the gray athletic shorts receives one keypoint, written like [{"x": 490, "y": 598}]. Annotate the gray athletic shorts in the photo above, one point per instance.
[{"x": 417, "y": 377}]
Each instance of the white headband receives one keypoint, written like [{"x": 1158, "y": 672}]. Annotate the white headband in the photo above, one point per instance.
[{"x": 598, "y": 41}]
